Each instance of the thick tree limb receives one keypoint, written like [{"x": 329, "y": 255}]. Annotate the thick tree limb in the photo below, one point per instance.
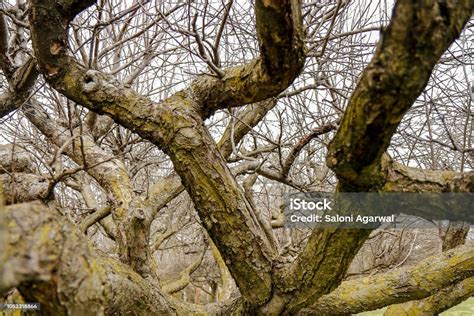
[
  {"x": 454, "y": 235},
  {"x": 95, "y": 217},
  {"x": 23, "y": 187},
  {"x": 176, "y": 126},
  {"x": 110, "y": 172},
  {"x": 20, "y": 84},
  {"x": 13, "y": 158},
  {"x": 5, "y": 63},
  {"x": 419, "y": 33},
  {"x": 413, "y": 180},
  {"x": 406, "y": 179},
  {"x": 51, "y": 262},
  {"x": 280, "y": 35},
  {"x": 320, "y": 267},
  {"x": 165, "y": 190},
  {"x": 437, "y": 303},
  {"x": 18, "y": 177},
  {"x": 185, "y": 276},
  {"x": 400, "y": 285}
]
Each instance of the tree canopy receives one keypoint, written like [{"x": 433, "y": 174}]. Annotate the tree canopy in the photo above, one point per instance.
[{"x": 147, "y": 147}]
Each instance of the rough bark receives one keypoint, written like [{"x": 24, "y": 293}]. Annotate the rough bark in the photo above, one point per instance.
[
  {"x": 437, "y": 303},
  {"x": 20, "y": 78},
  {"x": 417, "y": 36},
  {"x": 413, "y": 180},
  {"x": 51, "y": 262},
  {"x": 396, "y": 286},
  {"x": 20, "y": 84},
  {"x": 15, "y": 159},
  {"x": 415, "y": 39},
  {"x": 176, "y": 126},
  {"x": 405, "y": 179},
  {"x": 280, "y": 35},
  {"x": 23, "y": 187},
  {"x": 319, "y": 268},
  {"x": 165, "y": 190},
  {"x": 109, "y": 172},
  {"x": 455, "y": 235},
  {"x": 17, "y": 175}
]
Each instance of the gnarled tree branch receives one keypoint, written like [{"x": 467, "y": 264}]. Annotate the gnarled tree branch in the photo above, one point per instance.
[
  {"x": 44, "y": 254},
  {"x": 400, "y": 285},
  {"x": 436, "y": 303},
  {"x": 417, "y": 36},
  {"x": 280, "y": 35},
  {"x": 177, "y": 127}
]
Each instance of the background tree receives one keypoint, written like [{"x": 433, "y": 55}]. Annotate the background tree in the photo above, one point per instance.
[{"x": 160, "y": 139}]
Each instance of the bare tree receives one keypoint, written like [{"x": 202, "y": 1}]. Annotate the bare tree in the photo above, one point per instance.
[{"x": 149, "y": 145}]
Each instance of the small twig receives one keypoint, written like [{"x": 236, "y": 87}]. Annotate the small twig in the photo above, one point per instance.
[{"x": 202, "y": 51}]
